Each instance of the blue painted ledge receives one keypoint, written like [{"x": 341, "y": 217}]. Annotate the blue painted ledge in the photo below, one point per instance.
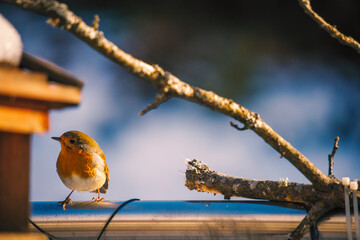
[{"x": 178, "y": 220}]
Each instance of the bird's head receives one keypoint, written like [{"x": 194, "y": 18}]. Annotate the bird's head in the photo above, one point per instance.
[{"x": 76, "y": 140}]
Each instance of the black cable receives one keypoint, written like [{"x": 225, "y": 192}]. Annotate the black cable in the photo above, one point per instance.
[
  {"x": 314, "y": 232},
  {"x": 114, "y": 213},
  {"x": 42, "y": 231},
  {"x": 50, "y": 236}
]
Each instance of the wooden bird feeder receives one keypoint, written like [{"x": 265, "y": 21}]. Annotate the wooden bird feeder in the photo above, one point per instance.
[{"x": 26, "y": 96}]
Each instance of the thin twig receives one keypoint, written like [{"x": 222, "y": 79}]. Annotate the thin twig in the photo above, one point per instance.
[
  {"x": 332, "y": 30},
  {"x": 331, "y": 156},
  {"x": 95, "y": 23},
  {"x": 160, "y": 98},
  {"x": 170, "y": 84}
]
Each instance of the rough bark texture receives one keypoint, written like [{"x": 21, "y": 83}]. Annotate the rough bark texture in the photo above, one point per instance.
[
  {"x": 199, "y": 177},
  {"x": 331, "y": 157},
  {"x": 316, "y": 212}
]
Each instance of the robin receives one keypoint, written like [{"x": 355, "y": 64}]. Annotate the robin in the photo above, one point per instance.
[{"x": 81, "y": 165}]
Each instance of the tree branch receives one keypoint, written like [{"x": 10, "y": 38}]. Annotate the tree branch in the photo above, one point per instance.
[
  {"x": 199, "y": 177},
  {"x": 331, "y": 157},
  {"x": 170, "y": 85},
  {"x": 332, "y": 30},
  {"x": 160, "y": 98},
  {"x": 314, "y": 214}
]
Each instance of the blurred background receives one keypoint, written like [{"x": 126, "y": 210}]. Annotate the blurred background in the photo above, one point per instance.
[{"x": 269, "y": 57}]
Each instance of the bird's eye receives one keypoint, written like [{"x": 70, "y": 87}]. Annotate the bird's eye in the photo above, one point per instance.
[{"x": 72, "y": 141}]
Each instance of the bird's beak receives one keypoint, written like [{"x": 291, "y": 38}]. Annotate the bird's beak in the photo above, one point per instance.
[{"x": 56, "y": 138}]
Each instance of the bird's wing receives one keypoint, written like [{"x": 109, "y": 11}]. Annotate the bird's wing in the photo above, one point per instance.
[{"x": 104, "y": 187}]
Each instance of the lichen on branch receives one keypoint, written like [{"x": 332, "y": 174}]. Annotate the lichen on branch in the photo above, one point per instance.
[{"x": 199, "y": 177}]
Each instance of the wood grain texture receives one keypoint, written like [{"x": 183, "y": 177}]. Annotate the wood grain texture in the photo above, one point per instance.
[{"x": 14, "y": 179}]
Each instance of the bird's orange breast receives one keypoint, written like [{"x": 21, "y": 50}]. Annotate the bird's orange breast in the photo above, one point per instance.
[{"x": 75, "y": 162}]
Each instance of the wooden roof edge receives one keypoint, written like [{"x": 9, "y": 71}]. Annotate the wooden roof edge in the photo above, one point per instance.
[
  {"x": 16, "y": 84},
  {"x": 54, "y": 72}
]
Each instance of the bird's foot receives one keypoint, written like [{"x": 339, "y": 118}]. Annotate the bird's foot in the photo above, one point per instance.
[
  {"x": 63, "y": 203},
  {"x": 98, "y": 199}
]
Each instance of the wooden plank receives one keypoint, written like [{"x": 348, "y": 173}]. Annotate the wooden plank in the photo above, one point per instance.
[
  {"x": 20, "y": 84},
  {"x": 14, "y": 180},
  {"x": 32, "y": 103},
  {"x": 21, "y": 120},
  {"x": 22, "y": 236}
]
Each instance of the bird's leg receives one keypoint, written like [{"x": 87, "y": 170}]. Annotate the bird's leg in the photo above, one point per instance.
[
  {"x": 66, "y": 201},
  {"x": 98, "y": 199}
]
